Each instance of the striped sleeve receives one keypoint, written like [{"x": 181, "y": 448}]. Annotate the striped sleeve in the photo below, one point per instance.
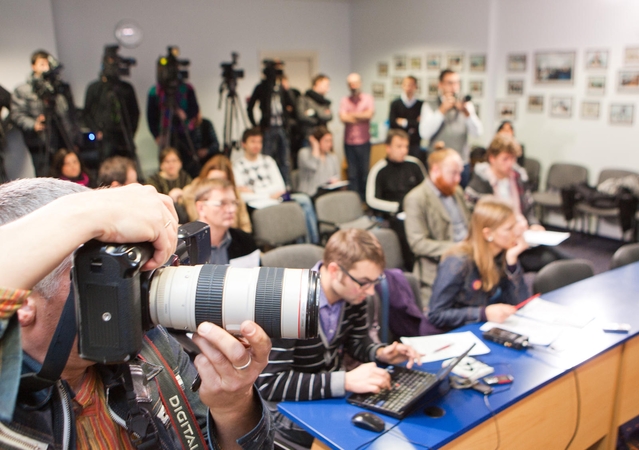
[
  {"x": 359, "y": 343},
  {"x": 296, "y": 371}
]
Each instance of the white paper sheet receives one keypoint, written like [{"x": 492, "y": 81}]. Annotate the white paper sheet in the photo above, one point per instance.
[
  {"x": 554, "y": 313},
  {"x": 539, "y": 333},
  {"x": 445, "y": 346},
  {"x": 550, "y": 238},
  {"x": 247, "y": 261}
]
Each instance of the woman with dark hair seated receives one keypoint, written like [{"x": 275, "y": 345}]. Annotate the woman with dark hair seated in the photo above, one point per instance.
[
  {"x": 171, "y": 179},
  {"x": 481, "y": 278},
  {"x": 318, "y": 163},
  {"x": 66, "y": 165}
]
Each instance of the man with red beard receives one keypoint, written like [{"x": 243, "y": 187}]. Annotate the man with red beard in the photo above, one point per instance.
[{"x": 436, "y": 216}]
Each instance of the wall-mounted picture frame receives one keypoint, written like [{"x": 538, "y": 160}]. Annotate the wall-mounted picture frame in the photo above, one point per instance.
[
  {"x": 433, "y": 88},
  {"x": 434, "y": 61},
  {"x": 515, "y": 87},
  {"x": 476, "y": 88},
  {"x": 561, "y": 107},
  {"x": 382, "y": 69},
  {"x": 596, "y": 85},
  {"x": 535, "y": 103},
  {"x": 516, "y": 62},
  {"x": 477, "y": 63},
  {"x": 596, "y": 59},
  {"x": 455, "y": 61},
  {"x": 590, "y": 110},
  {"x": 555, "y": 67},
  {"x": 628, "y": 81},
  {"x": 622, "y": 114},
  {"x": 399, "y": 63},
  {"x": 416, "y": 63},
  {"x": 631, "y": 56},
  {"x": 379, "y": 90},
  {"x": 397, "y": 84},
  {"x": 506, "y": 110}
]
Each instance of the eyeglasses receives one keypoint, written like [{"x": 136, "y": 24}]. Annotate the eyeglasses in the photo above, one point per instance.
[
  {"x": 223, "y": 203},
  {"x": 364, "y": 284}
]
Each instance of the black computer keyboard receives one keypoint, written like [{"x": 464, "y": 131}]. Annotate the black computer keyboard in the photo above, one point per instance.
[{"x": 408, "y": 386}]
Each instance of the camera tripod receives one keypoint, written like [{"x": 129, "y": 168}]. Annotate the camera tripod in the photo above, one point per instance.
[
  {"x": 170, "y": 135},
  {"x": 233, "y": 112}
]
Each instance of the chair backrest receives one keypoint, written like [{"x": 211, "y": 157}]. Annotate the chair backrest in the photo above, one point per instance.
[
  {"x": 606, "y": 174},
  {"x": 295, "y": 179},
  {"x": 562, "y": 175},
  {"x": 295, "y": 256},
  {"x": 338, "y": 207},
  {"x": 626, "y": 254},
  {"x": 279, "y": 224},
  {"x": 392, "y": 249},
  {"x": 533, "y": 168},
  {"x": 561, "y": 273}
]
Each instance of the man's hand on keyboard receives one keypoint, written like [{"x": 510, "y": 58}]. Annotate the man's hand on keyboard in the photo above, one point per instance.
[
  {"x": 396, "y": 353},
  {"x": 367, "y": 378}
]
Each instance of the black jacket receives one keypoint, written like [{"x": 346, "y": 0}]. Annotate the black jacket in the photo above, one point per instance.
[
  {"x": 110, "y": 104},
  {"x": 241, "y": 243},
  {"x": 262, "y": 94},
  {"x": 399, "y": 110}
]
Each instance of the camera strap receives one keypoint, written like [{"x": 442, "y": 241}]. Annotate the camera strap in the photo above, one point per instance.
[
  {"x": 174, "y": 399},
  {"x": 57, "y": 354}
]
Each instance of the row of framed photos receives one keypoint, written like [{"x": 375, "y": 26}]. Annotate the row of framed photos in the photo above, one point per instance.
[
  {"x": 433, "y": 62},
  {"x": 562, "y": 107}
]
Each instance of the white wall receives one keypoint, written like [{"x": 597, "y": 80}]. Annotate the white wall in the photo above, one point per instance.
[
  {"x": 206, "y": 32},
  {"x": 35, "y": 31}
]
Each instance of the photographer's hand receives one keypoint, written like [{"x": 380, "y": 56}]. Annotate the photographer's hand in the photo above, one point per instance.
[{"x": 228, "y": 368}]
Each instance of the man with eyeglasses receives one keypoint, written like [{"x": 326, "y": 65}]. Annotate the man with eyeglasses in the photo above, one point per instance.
[
  {"x": 216, "y": 205},
  {"x": 313, "y": 369}
]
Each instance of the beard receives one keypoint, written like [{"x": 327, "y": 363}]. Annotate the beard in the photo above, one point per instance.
[{"x": 445, "y": 188}]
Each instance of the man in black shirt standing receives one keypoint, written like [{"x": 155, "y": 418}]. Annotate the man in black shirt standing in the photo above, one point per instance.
[{"x": 404, "y": 115}]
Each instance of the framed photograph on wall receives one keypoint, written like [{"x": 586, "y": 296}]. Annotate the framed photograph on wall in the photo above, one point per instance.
[
  {"x": 434, "y": 61},
  {"x": 596, "y": 59},
  {"x": 535, "y": 103},
  {"x": 628, "y": 81},
  {"x": 506, "y": 110},
  {"x": 590, "y": 110},
  {"x": 379, "y": 90},
  {"x": 476, "y": 88},
  {"x": 455, "y": 61},
  {"x": 516, "y": 62},
  {"x": 631, "y": 56},
  {"x": 433, "y": 87},
  {"x": 382, "y": 69},
  {"x": 399, "y": 62},
  {"x": 622, "y": 114},
  {"x": 416, "y": 63},
  {"x": 397, "y": 84},
  {"x": 596, "y": 85},
  {"x": 515, "y": 87},
  {"x": 561, "y": 107},
  {"x": 554, "y": 67},
  {"x": 477, "y": 63}
]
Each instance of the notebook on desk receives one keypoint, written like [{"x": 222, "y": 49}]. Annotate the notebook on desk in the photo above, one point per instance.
[{"x": 410, "y": 388}]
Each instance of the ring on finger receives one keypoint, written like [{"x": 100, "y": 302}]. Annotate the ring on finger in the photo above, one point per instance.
[{"x": 245, "y": 366}]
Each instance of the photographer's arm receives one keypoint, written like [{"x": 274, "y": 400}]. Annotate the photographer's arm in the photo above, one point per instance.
[{"x": 36, "y": 243}]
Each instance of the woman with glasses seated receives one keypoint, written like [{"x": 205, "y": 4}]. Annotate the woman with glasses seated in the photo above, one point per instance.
[
  {"x": 480, "y": 279},
  {"x": 216, "y": 204},
  {"x": 313, "y": 369}
]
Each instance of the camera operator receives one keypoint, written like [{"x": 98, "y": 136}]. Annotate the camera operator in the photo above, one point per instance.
[
  {"x": 228, "y": 410},
  {"x": 451, "y": 119},
  {"x": 275, "y": 106},
  {"x": 5, "y": 102},
  {"x": 110, "y": 107},
  {"x": 44, "y": 111},
  {"x": 172, "y": 109}
]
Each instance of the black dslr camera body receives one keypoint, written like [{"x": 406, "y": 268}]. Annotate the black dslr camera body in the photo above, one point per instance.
[
  {"x": 115, "y": 66},
  {"x": 116, "y": 303}
]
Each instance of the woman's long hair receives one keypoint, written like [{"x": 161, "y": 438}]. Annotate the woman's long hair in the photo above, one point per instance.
[{"x": 490, "y": 212}]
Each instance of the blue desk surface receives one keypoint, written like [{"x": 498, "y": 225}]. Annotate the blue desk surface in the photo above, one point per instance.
[{"x": 611, "y": 297}]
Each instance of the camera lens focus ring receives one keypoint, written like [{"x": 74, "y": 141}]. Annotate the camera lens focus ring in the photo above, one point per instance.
[
  {"x": 268, "y": 295},
  {"x": 209, "y": 294}
]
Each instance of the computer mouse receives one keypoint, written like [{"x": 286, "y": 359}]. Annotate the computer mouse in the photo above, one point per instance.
[{"x": 368, "y": 421}]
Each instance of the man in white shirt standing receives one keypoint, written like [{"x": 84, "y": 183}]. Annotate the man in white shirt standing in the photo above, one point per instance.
[
  {"x": 257, "y": 178},
  {"x": 451, "y": 119}
]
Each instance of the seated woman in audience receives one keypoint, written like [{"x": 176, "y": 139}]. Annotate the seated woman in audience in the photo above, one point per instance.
[
  {"x": 66, "y": 165},
  {"x": 171, "y": 179},
  {"x": 318, "y": 164},
  {"x": 480, "y": 278}
]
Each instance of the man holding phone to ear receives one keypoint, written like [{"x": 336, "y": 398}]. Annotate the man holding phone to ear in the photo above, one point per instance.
[{"x": 451, "y": 119}]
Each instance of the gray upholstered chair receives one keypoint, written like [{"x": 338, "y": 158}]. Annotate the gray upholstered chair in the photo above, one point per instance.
[
  {"x": 295, "y": 256},
  {"x": 626, "y": 254},
  {"x": 560, "y": 175},
  {"x": 279, "y": 224},
  {"x": 561, "y": 273},
  {"x": 392, "y": 248},
  {"x": 533, "y": 169},
  {"x": 339, "y": 211}
]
